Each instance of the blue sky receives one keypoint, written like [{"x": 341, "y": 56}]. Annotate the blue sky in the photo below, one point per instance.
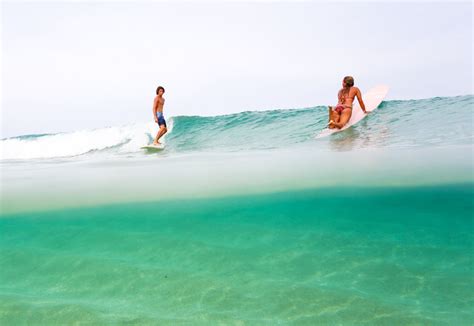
[{"x": 70, "y": 66}]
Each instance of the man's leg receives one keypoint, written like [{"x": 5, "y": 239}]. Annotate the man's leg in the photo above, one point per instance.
[
  {"x": 155, "y": 141},
  {"x": 160, "y": 134}
]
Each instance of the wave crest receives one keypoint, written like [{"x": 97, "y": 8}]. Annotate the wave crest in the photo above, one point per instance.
[{"x": 429, "y": 122}]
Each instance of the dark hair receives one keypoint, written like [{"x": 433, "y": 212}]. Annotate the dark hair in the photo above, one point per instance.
[{"x": 158, "y": 89}]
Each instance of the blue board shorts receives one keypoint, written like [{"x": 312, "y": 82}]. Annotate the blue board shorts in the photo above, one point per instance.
[{"x": 161, "y": 119}]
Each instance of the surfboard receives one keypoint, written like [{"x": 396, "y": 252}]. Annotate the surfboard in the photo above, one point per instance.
[
  {"x": 154, "y": 148},
  {"x": 372, "y": 100}
]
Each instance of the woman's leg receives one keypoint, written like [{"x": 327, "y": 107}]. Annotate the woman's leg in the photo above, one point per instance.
[
  {"x": 333, "y": 116},
  {"x": 344, "y": 118}
]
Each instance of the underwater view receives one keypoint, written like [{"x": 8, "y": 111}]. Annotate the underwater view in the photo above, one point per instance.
[{"x": 244, "y": 218}]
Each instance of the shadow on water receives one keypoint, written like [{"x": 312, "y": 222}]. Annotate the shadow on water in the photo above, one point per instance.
[{"x": 345, "y": 140}]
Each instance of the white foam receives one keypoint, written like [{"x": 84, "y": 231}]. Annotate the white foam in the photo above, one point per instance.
[{"x": 127, "y": 138}]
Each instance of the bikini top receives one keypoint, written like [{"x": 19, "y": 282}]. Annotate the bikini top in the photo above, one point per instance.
[{"x": 342, "y": 97}]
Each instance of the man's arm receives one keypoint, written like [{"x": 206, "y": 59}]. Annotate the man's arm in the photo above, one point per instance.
[
  {"x": 155, "y": 106},
  {"x": 359, "y": 98}
]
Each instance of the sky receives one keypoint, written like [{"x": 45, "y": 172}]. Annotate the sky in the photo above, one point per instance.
[{"x": 83, "y": 65}]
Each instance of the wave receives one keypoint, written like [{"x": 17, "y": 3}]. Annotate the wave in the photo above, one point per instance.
[
  {"x": 120, "y": 139},
  {"x": 409, "y": 123}
]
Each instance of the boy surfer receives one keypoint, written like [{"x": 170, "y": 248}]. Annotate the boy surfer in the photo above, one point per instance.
[{"x": 158, "y": 114}]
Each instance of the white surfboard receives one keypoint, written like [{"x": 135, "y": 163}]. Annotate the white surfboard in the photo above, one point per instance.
[
  {"x": 154, "y": 148},
  {"x": 372, "y": 100}
]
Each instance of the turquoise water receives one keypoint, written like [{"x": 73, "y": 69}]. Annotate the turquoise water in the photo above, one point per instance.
[
  {"x": 436, "y": 121},
  {"x": 244, "y": 219},
  {"x": 441, "y": 121},
  {"x": 349, "y": 256}
]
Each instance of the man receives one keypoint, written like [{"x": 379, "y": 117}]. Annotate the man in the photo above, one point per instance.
[{"x": 158, "y": 114}]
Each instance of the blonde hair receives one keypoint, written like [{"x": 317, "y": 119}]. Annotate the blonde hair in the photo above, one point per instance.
[{"x": 348, "y": 83}]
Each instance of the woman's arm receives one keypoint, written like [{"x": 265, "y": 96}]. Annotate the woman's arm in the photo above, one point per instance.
[{"x": 361, "y": 102}]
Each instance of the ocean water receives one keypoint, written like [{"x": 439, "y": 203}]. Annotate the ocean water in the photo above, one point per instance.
[{"x": 244, "y": 219}]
